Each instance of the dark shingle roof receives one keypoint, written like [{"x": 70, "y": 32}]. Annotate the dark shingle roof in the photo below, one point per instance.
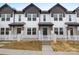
[
  {"x": 17, "y": 24},
  {"x": 72, "y": 23},
  {"x": 45, "y": 24},
  {"x": 31, "y": 6}
]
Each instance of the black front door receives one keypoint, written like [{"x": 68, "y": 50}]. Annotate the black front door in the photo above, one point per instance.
[
  {"x": 44, "y": 31},
  {"x": 71, "y": 31}
]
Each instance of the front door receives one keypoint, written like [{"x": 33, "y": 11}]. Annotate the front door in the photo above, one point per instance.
[
  {"x": 44, "y": 31},
  {"x": 71, "y": 31},
  {"x": 18, "y": 30}
]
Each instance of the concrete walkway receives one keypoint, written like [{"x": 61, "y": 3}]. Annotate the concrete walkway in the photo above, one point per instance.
[{"x": 47, "y": 50}]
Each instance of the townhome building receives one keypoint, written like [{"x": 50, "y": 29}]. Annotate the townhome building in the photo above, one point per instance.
[{"x": 34, "y": 23}]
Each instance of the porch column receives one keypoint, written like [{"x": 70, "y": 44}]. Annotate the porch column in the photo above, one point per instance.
[
  {"x": 10, "y": 35},
  {"x": 69, "y": 34},
  {"x": 39, "y": 35}
]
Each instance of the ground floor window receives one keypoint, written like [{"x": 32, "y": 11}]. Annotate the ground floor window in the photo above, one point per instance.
[
  {"x": 2, "y": 31},
  {"x": 28, "y": 31},
  {"x": 7, "y": 31},
  {"x": 34, "y": 31},
  {"x": 56, "y": 31},
  {"x": 31, "y": 31},
  {"x": 61, "y": 31}
]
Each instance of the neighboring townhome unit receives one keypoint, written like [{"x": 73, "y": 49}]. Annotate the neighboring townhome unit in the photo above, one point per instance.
[{"x": 33, "y": 23}]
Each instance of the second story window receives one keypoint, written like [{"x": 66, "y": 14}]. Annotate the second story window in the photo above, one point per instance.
[
  {"x": 2, "y": 17},
  {"x": 44, "y": 17},
  {"x": 70, "y": 18},
  {"x": 55, "y": 17},
  {"x": 29, "y": 17},
  {"x": 8, "y": 17},
  {"x": 19, "y": 17},
  {"x": 60, "y": 17},
  {"x": 34, "y": 17}
]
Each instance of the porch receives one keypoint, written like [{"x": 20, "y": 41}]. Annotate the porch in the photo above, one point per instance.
[{"x": 46, "y": 31}]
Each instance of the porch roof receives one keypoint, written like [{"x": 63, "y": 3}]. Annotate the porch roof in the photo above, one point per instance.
[
  {"x": 45, "y": 24},
  {"x": 17, "y": 24},
  {"x": 72, "y": 23}
]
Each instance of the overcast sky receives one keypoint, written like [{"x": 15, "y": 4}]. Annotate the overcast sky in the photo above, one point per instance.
[{"x": 43, "y": 6}]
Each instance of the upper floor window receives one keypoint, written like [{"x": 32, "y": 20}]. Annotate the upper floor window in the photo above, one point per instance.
[
  {"x": 8, "y": 17},
  {"x": 29, "y": 17},
  {"x": 55, "y": 17},
  {"x": 70, "y": 18},
  {"x": 60, "y": 17},
  {"x": 52, "y": 15},
  {"x": 34, "y": 17},
  {"x": 44, "y": 17},
  {"x": 19, "y": 17},
  {"x": 2, "y": 17},
  {"x": 25, "y": 14}
]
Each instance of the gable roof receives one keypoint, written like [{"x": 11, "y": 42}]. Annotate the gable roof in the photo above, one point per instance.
[
  {"x": 31, "y": 5},
  {"x": 76, "y": 9},
  {"x": 58, "y": 5},
  {"x": 6, "y": 5}
]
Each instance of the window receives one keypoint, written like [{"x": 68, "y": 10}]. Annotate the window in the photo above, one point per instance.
[
  {"x": 3, "y": 17},
  {"x": 0, "y": 15},
  {"x": 34, "y": 31},
  {"x": 34, "y": 17},
  {"x": 7, "y": 31},
  {"x": 25, "y": 14},
  {"x": 29, "y": 17},
  {"x": 37, "y": 15},
  {"x": 60, "y": 17},
  {"x": 55, "y": 17},
  {"x": 11, "y": 15},
  {"x": 18, "y": 30},
  {"x": 44, "y": 17},
  {"x": 19, "y": 17},
  {"x": 61, "y": 31},
  {"x": 51, "y": 15},
  {"x": 28, "y": 31},
  {"x": 56, "y": 31},
  {"x": 8, "y": 17},
  {"x": 70, "y": 18},
  {"x": 2, "y": 31}
]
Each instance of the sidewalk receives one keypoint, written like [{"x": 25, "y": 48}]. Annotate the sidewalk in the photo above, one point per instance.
[
  {"x": 46, "y": 50},
  {"x": 19, "y": 52}
]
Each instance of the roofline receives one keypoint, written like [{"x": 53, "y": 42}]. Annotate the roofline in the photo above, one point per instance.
[
  {"x": 29, "y": 5},
  {"x": 8, "y": 6},
  {"x": 55, "y": 5}
]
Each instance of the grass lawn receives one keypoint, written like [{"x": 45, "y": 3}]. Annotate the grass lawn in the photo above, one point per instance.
[
  {"x": 24, "y": 45},
  {"x": 65, "y": 46}
]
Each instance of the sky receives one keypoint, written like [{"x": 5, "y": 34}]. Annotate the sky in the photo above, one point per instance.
[{"x": 43, "y": 6}]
